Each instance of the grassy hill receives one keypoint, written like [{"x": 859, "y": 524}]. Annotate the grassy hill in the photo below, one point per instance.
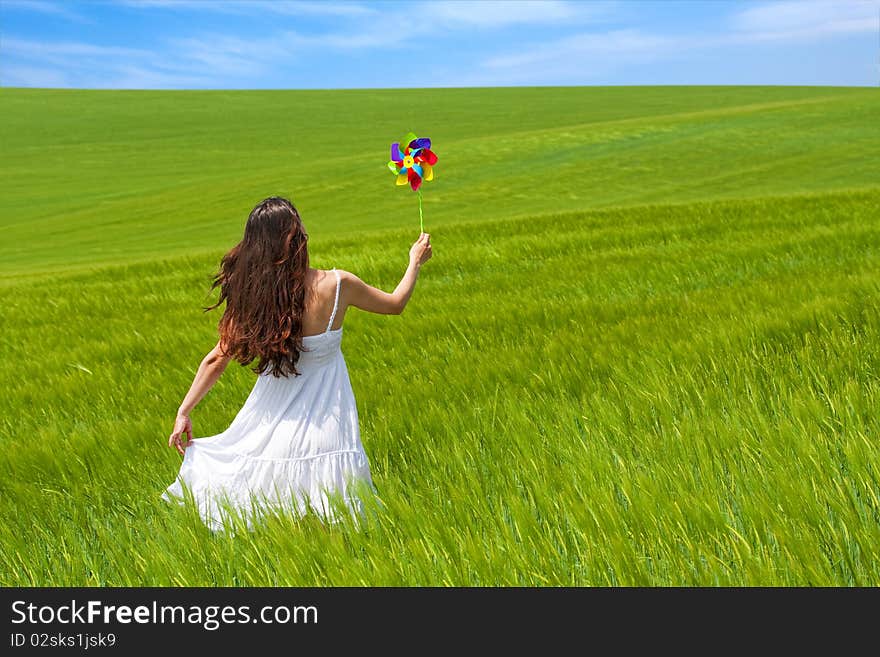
[
  {"x": 645, "y": 352},
  {"x": 110, "y": 176}
]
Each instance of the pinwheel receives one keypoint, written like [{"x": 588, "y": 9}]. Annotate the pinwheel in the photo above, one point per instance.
[{"x": 412, "y": 161}]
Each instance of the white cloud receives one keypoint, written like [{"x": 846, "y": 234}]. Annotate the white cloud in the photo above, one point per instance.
[
  {"x": 217, "y": 60},
  {"x": 222, "y": 56},
  {"x": 32, "y": 76},
  {"x": 582, "y": 56},
  {"x": 125, "y": 76},
  {"x": 397, "y": 23},
  {"x": 41, "y": 49},
  {"x": 203, "y": 62},
  {"x": 500, "y": 13},
  {"x": 256, "y": 6},
  {"x": 86, "y": 65},
  {"x": 582, "y": 47},
  {"x": 312, "y": 8},
  {"x": 479, "y": 13},
  {"x": 407, "y": 24},
  {"x": 785, "y": 21},
  {"x": 50, "y": 8}
]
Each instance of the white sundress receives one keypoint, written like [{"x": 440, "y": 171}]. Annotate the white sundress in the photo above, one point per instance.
[{"x": 295, "y": 444}]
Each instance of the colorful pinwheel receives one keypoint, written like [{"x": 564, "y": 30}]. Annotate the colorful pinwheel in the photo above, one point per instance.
[{"x": 412, "y": 163}]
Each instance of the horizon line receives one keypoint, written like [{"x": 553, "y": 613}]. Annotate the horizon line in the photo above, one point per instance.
[{"x": 513, "y": 86}]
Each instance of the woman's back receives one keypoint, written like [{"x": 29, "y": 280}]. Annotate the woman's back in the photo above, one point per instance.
[{"x": 323, "y": 294}]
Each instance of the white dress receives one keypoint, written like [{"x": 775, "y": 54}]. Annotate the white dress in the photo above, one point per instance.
[{"x": 294, "y": 446}]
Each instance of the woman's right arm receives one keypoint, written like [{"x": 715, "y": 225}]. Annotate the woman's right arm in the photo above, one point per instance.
[{"x": 366, "y": 297}]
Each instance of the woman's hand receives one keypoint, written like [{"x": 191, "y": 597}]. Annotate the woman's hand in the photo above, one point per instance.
[
  {"x": 420, "y": 252},
  {"x": 182, "y": 425}
]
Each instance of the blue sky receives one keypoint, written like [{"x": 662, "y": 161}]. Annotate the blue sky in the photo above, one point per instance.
[{"x": 158, "y": 44}]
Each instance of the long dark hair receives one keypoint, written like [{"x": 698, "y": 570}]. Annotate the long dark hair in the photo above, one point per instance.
[{"x": 262, "y": 279}]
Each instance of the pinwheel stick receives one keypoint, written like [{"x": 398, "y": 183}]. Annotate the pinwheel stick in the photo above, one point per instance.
[{"x": 421, "y": 220}]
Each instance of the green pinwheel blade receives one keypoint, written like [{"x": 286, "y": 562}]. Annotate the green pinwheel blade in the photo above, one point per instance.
[
  {"x": 393, "y": 166},
  {"x": 406, "y": 140}
]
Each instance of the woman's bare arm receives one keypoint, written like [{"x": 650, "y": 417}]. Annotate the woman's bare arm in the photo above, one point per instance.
[
  {"x": 210, "y": 369},
  {"x": 366, "y": 297}
]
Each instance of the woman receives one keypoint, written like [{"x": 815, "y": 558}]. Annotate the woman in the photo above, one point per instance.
[{"x": 295, "y": 444}]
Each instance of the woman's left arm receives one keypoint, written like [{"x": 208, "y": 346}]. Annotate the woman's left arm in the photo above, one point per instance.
[{"x": 210, "y": 369}]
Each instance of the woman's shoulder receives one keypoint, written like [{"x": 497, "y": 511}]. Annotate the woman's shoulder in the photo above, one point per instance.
[
  {"x": 346, "y": 276},
  {"x": 327, "y": 275},
  {"x": 325, "y": 279},
  {"x": 329, "y": 272}
]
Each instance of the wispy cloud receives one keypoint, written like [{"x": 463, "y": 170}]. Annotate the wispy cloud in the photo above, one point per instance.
[
  {"x": 202, "y": 62},
  {"x": 406, "y": 23},
  {"x": 480, "y": 13},
  {"x": 460, "y": 43},
  {"x": 580, "y": 48},
  {"x": 399, "y": 24},
  {"x": 251, "y": 7},
  {"x": 91, "y": 66},
  {"x": 590, "y": 53},
  {"x": 224, "y": 56},
  {"x": 50, "y": 8},
  {"x": 33, "y": 76},
  {"x": 350, "y": 9},
  {"x": 212, "y": 58},
  {"x": 129, "y": 76},
  {"x": 786, "y": 21},
  {"x": 40, "y": 49},
  {"x": 501, "y": 13}
]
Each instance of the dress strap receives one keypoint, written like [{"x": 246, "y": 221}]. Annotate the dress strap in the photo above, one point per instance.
[{"x": 335, "y": 301}]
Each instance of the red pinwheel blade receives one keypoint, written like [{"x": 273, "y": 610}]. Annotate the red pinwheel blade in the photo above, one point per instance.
[
  {"x": 427, "y": 156},
  {"x": 415, "y": 180}
]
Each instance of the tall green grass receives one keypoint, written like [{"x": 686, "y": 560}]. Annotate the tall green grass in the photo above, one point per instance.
[
  {"x": 92, "y": 177},
  {"x": 645, "y": 351},
  {"x": 665, "y": 394}
]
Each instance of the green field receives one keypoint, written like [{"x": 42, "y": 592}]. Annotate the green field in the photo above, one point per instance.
[{"x": 646, "y": 351}]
